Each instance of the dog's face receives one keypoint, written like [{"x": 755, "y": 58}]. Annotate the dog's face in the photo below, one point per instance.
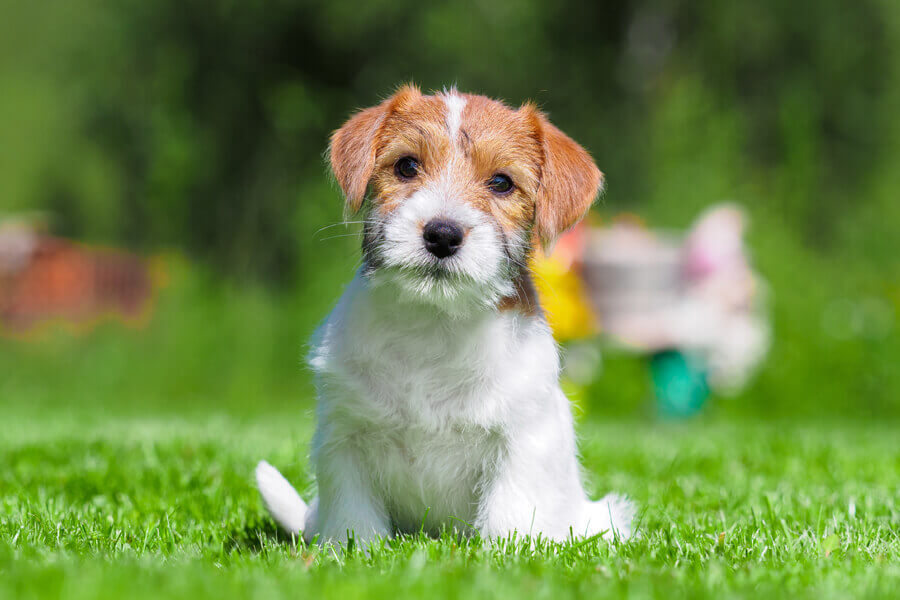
[{"x": 461, "y": 188}]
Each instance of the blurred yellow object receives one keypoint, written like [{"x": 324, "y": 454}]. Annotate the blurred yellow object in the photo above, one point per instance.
[{"x": 561, "y": 291}]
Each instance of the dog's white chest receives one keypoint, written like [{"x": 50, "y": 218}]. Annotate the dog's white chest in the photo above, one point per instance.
[{"x": 400, "y": 367}]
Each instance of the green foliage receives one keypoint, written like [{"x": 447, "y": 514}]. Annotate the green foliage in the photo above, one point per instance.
[{"x": 202, "y": 125}]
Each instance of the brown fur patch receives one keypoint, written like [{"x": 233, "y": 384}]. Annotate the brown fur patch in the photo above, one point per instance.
[{"x": 524, "y": 300}]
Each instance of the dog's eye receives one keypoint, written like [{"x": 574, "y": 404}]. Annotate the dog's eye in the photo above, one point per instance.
[
  {"x": 406, "y": 167},
  {"x": 500, "y": 184}
]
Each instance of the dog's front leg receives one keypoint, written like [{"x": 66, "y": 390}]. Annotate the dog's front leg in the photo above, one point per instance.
[
  {"x": 534, "y": 486},
  {"x": 348, "y": 505},
  {"x": 518, "y": 496}
]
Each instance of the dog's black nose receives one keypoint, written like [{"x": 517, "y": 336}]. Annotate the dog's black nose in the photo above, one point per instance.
[{"x": 442, "y": 238}]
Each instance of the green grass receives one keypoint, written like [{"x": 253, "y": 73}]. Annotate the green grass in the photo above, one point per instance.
[{"x": 127, "y": 507}]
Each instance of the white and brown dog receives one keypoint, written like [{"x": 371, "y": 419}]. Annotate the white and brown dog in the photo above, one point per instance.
[{"x": 438, "y": 396}]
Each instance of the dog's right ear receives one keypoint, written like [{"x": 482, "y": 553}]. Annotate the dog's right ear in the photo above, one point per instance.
[
  {"x": 352, "y": 150},
  {"x": 570, "y": 180}
]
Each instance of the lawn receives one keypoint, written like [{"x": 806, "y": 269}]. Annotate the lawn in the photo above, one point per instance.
[
  {"x": 127, "y": 451},
  {"x": 126, "y": 506}
]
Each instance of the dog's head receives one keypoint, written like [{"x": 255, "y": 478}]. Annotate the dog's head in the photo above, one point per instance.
[{"x": 461, "y": 188}]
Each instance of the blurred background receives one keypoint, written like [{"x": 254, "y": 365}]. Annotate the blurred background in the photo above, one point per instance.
[{"x": 163, "y": 162}]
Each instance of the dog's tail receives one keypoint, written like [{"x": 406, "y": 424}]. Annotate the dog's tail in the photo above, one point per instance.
[{"x": 281, "y": 499}]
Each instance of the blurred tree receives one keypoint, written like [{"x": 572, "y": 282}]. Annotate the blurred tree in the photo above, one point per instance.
[{"x": 202, "y": 124}]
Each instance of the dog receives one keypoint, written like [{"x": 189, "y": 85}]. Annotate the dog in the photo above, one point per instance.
[{"x": 439, "y": 405}]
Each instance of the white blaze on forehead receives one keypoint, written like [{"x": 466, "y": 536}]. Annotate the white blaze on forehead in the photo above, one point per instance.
[{"x": 455, "y": 105}]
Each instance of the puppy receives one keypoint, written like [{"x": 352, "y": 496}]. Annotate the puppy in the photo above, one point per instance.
[{"x": 437, "y": 374}]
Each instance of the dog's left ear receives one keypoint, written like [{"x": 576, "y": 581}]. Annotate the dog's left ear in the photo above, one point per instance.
[
  {"x": 570, "y": 181},
  {"x": 352, "y": 150}
]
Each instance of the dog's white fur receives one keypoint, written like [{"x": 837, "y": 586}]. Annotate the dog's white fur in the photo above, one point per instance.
[{"x": 435, "y": 409}]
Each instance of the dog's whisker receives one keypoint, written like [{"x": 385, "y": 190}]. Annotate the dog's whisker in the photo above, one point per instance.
[
  {"x": 343, "y": 223},
  {"x": 340, "y": 235}
]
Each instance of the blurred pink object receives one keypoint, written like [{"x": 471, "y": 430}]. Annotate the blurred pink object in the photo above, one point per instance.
[
  {"x": 697, "y": 293},
  {"x": 715, "y": 243}
]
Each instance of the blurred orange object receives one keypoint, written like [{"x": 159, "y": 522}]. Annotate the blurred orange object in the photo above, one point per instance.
[{"x": 45, "y": 278}]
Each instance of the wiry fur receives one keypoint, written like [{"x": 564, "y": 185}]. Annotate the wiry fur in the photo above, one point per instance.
[{"x": 439, "y": 403}]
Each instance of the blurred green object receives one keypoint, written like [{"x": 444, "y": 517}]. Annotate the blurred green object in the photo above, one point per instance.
[{"x": 679, "y": 383}]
